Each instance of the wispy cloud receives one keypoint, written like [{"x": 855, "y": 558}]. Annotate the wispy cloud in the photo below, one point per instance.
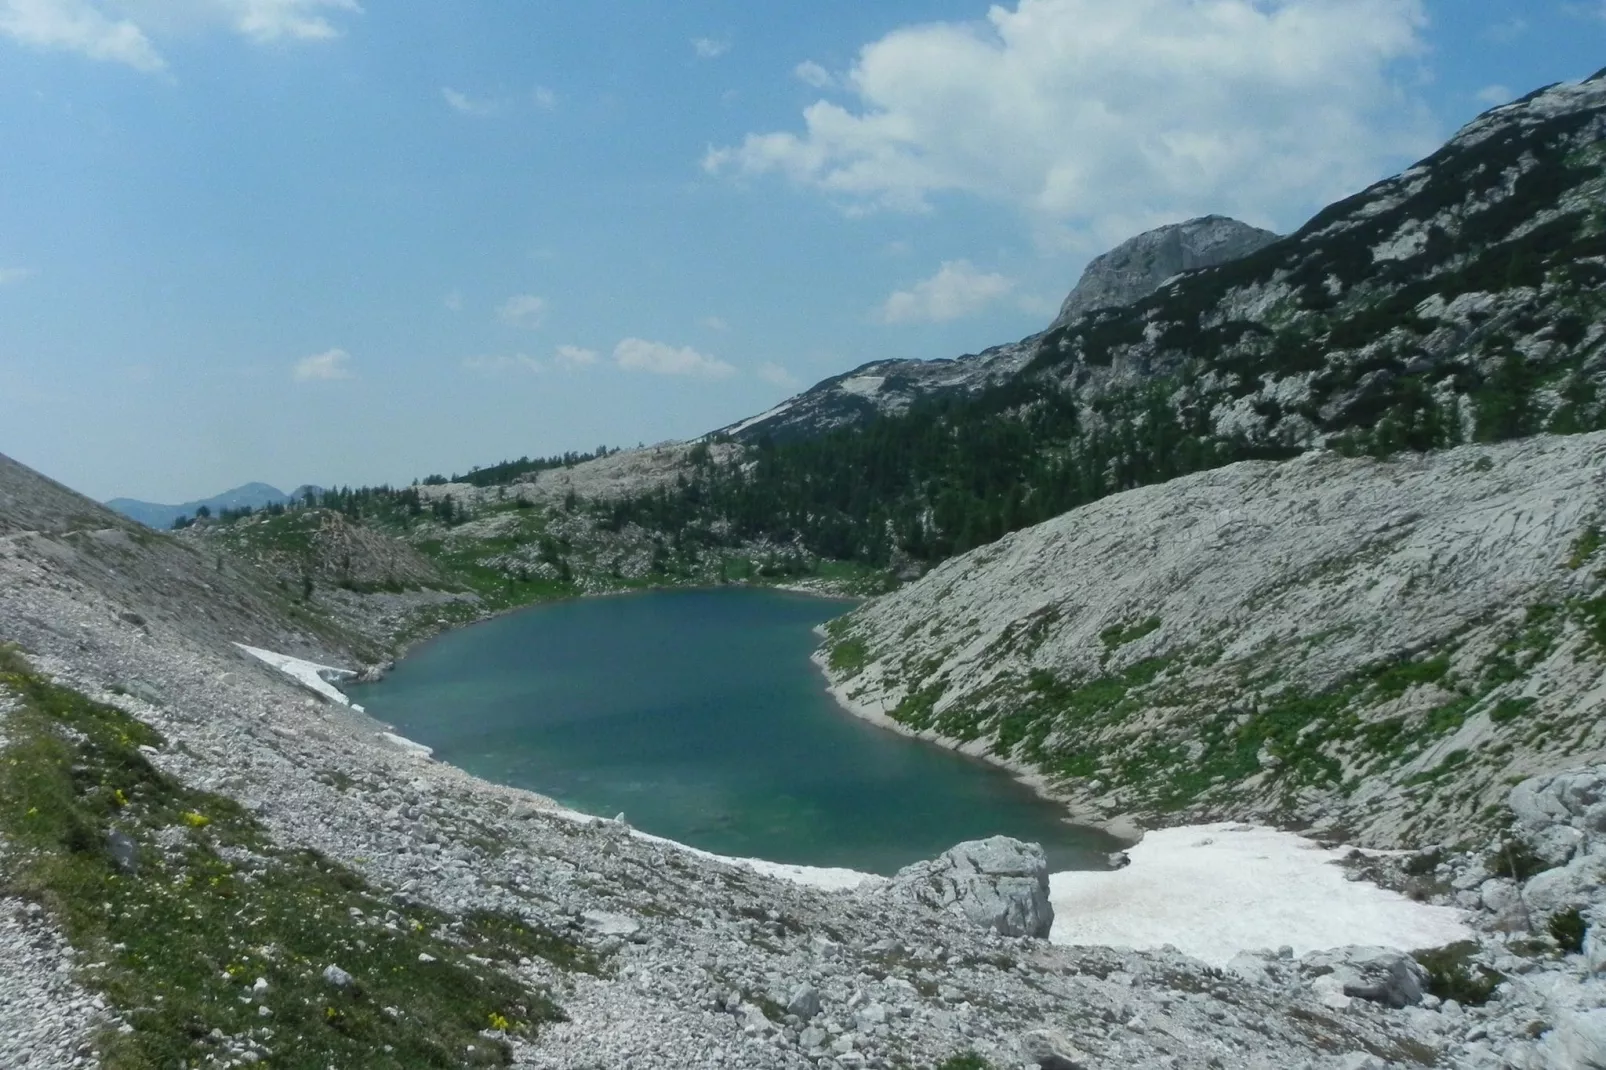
[
  {"x": 566, "y": 358},
  {"x": 80, "y": 27},
  {"x": 544, "y": 98},
  {"x": 1494, "y": 95},
  {"x": 12, "y": 275},
  {"x": 657, "y": 358},
  {"x": 810, "y": 73},
  {"x": 771, "y": 372},
  {"x": 122, "y": 31},
  {"x": 523, "y": 310},
  {"x": 710, "y": 47},
  {"x": 297, "y": 20},
  {"x": 714, "y": 323},
  {"x": 453, "y": 301},
  {"x": 329, "y": 365},
  {"x": 464, "y": 104},
  {"x": 576, "y": 357},
  {"x": 958, "y": 289}
]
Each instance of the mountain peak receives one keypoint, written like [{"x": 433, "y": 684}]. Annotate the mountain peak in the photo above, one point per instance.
[{"x": 1136, "y": 268}]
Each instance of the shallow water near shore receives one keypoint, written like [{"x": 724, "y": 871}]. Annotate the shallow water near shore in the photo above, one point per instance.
[{"x": 699, "y": 715}]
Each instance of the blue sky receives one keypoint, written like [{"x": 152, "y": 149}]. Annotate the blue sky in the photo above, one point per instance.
[{"x": 318, "y": 240}]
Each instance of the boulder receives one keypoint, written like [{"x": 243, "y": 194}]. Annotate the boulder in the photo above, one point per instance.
[
  {"x": 1557, "y": 815},
  {"x": 998, "y": 883},
  {"x": 1049, "y": 1049},
  {"x": 1377, "y": 974},
  {"x": 1576, "y": 1041},
  {"x": 1576, "y": 884},
  {"x": 804, "y": 1002}
]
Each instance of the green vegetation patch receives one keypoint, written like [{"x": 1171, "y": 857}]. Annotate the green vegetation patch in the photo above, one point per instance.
[
  {"x": 1453, "y": 975},
  {"x": 182, "y": 904},
  {"x": 1585, "y": 547},
  {"x": 1568, "y": 929},
  {"x": 1121, "y": 634},
  {"x": 848, "y": 657}
]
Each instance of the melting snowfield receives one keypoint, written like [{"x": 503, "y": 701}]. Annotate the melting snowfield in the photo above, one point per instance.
[{"x": 1212, "y": 891}]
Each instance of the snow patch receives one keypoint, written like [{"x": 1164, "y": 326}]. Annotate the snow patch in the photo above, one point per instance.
[
  {"x": 1212, "y": 891},
  {"x": 863, "y": 386},
  {"x": 308, "y": 674}
]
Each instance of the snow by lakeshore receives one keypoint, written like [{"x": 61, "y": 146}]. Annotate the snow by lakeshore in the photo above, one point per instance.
[
  {"x": 1212, "y": 891},
  {"x": 308, "y": 674}
]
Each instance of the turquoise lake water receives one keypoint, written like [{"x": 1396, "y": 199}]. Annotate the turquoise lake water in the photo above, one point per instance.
[{"x": 699, "y": 716}]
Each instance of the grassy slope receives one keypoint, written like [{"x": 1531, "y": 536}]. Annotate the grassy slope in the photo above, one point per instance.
[{"x": 179, "y": 936}]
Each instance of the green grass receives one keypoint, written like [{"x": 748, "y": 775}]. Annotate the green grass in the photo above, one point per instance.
[
  {"x": 848, "y": 657},
  {"x": 1584, "y": 547},
  {"x": 1453, "y": 975},
  {"x": 1120, "y": 635},
  {"x": 179, "y": 939},
  {"x": 968, "y": 1060}
]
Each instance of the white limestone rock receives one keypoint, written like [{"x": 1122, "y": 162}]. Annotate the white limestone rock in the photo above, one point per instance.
[{"x": 999, "y": 883}]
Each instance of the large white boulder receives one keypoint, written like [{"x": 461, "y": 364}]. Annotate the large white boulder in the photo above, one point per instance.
[{"x": 999, "y": 883}]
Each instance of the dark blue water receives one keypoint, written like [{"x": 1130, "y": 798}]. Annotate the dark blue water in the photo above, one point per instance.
[{"x": 699, "y": 715}]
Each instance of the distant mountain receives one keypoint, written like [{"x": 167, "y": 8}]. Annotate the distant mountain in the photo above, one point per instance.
[
  {"x": 1139, "y": 266},
  {"x": 1123, "y": 276},
  {"x": 154, "y": 515}
]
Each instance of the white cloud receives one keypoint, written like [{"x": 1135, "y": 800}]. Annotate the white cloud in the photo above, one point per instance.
[
  {"x": 1096, "y": 119},
  {"x": 576, "y": 357},
  {"x": 709, "y": 47},
  {"x": 121, "y": 31},
  {"x": 297, "y": 20},
  {"x": 523, "y": 310},
  {"x": 1494, "y": 95},
  {"x": 464, "y": 104},
  {"x": 78, "y": 26},
  {"x": 13, "y": 275},
  {"x": 811, "y": 73},
  {"x": 779, "y": 376},
  {"x": 636, "y": 354},
  {"x": 544, "y": 98},
  {"x": 958, "y": 289},
  {"x": 714, "y": 323},
  {"x": 323, "y": 367},
  {"x": 453, "y": 301}
]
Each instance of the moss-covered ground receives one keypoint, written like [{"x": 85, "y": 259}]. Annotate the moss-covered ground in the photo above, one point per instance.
[{"x": 209, "y": 940}]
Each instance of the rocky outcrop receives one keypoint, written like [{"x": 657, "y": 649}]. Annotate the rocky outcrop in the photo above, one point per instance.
[
  {"x": 1373, "y": 644},
  {"x": 1377, "y": 974},
  {"x": 1139, "y": 266},
  {"x": 998, "y": 883}
]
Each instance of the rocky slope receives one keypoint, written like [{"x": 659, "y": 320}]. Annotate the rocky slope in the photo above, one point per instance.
[
  {"x": 1139, "y": 266},
  {"x": 1377, "y": 647},
  {"x": 226, "y": 775}
]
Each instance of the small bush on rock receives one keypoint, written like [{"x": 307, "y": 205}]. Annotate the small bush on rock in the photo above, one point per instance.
[
  {"x": 1453, "y": 975},
  {"x": 1567, "y": 929}
]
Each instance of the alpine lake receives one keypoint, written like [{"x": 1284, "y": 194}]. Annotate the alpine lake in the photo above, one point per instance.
[{"x": 699, "y": 716}]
